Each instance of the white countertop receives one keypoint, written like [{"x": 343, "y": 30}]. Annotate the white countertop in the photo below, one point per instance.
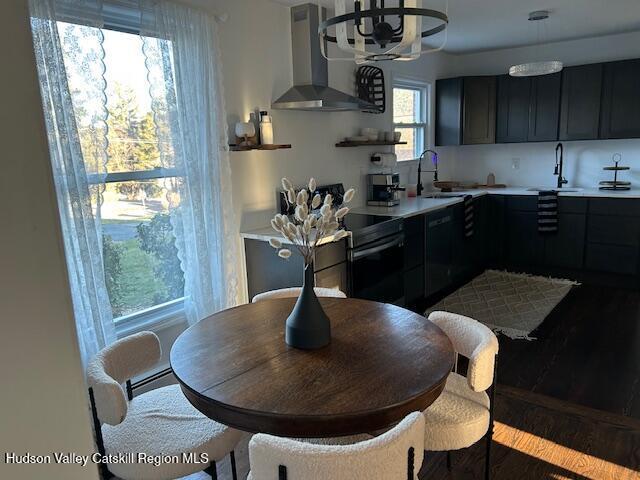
[
  {"x": 267, "y": 233},
  {"x": 411, "y": 206}
]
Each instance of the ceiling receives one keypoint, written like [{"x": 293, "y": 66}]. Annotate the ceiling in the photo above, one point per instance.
[{"x": 494, "y": 24}]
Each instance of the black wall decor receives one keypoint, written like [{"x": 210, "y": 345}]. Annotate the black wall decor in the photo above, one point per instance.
[{"x": 370, "y": 86}]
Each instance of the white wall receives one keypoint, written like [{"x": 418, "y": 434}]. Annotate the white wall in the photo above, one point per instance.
[
  {"x": 584, "y": 159},
  {"x": 43, "y": 405},
  {"x": 256, "y": 57}
]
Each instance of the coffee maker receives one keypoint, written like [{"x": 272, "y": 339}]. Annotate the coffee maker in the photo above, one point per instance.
[{"x": 383, "y": 189}]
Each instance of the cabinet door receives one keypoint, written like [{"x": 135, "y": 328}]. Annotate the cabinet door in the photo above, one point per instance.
[
  {"x": 438, "y": 251},
  {"x": 580, "y": 102},
  {"x": 565, "y": 248},
  {"x": 414, "y": 285},
  {"x": 333, "y": 277},
  {"x": 463, "y": 260},
  {"x": 621, "y": 100},
  {"x": 494, "y": 213},
  {"x": 449, "y": 111},
  {"x": 544, "y": 110},
  {"x": 524, "y": 244},
  {"x": 266, "y": 271},
  {"x": 479, "y": 111},
  {"x": 514, "y": 95},
  {"x": 413, "y": 241}
]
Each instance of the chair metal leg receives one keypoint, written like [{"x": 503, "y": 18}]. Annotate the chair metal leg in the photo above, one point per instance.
[
  {"x": 232, "y": 457},
  {"x": 487, "y": 459},
  {"x": 212, "y": 470},
  {"x": 449, "y": 460}
]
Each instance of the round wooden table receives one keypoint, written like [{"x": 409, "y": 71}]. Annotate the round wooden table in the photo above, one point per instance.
[{"x": 383, "y": 363}]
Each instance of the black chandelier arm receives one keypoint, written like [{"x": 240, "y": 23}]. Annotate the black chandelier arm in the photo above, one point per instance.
[
  {"x": 370, "y": 41},
  {"x": 423, "y": 12}
]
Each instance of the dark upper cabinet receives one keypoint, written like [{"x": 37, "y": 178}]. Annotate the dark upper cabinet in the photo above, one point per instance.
[
  {"x": 620, "y": 117},
  {"x": 544, "y": 108},
  {"x": 479, "y": 110},
  {"x": 514, "y": 95},
  {"x": 528, "y": 109},
  {"x": 580, "y": 102},
  {"x": 449, "y": 111}
]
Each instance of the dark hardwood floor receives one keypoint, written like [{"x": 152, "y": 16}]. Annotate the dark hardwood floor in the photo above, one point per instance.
[
  {"x": 537, "y": 438},
  {"x": 587, "y": 352}
]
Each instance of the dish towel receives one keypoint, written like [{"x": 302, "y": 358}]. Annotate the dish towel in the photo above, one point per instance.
[
  {"x": 468, "y": 216},
  {"x": 548, "y": 211}
]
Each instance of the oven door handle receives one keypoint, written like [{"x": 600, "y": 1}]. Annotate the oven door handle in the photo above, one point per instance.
[{"x": 399, "y": 241}]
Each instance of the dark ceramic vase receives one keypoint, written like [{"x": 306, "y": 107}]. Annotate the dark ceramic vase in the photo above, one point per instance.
[{"x": 308, "y": 327}]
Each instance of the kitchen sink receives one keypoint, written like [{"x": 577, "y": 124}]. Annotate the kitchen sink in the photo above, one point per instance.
[
  {"x": 560, "y": 190},
  {"x": 442, "y": 195}
]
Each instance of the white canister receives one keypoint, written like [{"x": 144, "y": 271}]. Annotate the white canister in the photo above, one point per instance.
[{"x": 266, "y": 130}]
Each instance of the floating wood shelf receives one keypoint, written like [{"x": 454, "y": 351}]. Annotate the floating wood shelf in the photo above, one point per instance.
[
  {"x": 244, "y": 148},
  {"x": 367, "y": 143}
]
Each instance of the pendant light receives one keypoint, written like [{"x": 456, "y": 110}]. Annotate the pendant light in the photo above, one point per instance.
[
  {"x": 382, "y": 31},
  {"x": 533, "y": 69}
]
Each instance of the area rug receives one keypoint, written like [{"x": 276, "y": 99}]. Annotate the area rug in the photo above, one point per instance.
[{"x": 513, "y": 304}]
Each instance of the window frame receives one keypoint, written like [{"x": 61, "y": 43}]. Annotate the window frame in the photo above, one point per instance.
[
  {"x": 166, "y": 314},
  {"x": 425, "y": 89}
]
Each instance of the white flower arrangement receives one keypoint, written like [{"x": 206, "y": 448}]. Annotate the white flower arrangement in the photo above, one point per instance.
[{"x": 308, "y": 227}]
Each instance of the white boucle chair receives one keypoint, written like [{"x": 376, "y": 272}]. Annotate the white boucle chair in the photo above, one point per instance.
[
  {"x": 160, "y": 422},
  {"x": 463, "y": 413},
  {"x": 396, "y": 454},
  {"x": 295, "y": 292}
]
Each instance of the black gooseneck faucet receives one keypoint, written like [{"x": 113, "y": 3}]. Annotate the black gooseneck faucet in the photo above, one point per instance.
[
  {"x": 419, "y": 188},
  {"x": 559, "y": 165}
]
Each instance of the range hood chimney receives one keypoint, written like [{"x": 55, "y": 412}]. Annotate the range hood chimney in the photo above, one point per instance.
[{"x": 311, "y": 89}]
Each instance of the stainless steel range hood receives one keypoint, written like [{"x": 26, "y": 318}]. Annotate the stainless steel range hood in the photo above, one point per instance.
[{"x": 311, "y": 90}]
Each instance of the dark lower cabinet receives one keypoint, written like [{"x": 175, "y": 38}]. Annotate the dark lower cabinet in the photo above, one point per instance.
[
  {"x": 479, "y": 110},
  {"x": 596, "y": 238},
  {"x": 414, "y": 252},
  {"x": 565, "y": 248},
  {"x": 525, "y": 246},
  {"x": 580, "y": 102},
  {"x": 414, "y": 285},
  {"x": 438, "y": 251},
  {"x": 621, "y": 100},
  {"x": 616, "y": 259},
  {"x": 334, "y": 276},
  {"x": 266, "y": 271},
  {"x": 468, "y": 252}
]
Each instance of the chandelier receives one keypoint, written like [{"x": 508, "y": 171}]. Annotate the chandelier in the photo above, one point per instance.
[
  {"x": 534, "y": 69},
  {"x": 382, "y": 32}
]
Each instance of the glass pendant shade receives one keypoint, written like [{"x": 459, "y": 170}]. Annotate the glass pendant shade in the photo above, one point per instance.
[{"x": 534, "y": 69}]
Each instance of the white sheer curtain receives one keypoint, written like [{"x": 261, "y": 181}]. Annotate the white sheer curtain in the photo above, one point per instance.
[
  {"x": 78, "y": 198},
  {"x": 183, "y": 64},
  {"x": 182, "y": 55}
]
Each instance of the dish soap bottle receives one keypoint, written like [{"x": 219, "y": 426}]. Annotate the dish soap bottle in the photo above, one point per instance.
[{"x": 266, "y": 128}]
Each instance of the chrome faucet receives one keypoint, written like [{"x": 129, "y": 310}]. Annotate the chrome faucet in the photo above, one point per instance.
[
  {"x": 434, "y": 160},
  {"x": 559, "y": 165}
]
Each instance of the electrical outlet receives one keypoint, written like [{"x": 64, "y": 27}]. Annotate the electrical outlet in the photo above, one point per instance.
[{"x": 515, "y": 163}]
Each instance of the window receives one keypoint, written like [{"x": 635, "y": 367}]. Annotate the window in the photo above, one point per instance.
[
  {"x": 410, "y": 107},
  {"x": 143, "y": 274}
]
